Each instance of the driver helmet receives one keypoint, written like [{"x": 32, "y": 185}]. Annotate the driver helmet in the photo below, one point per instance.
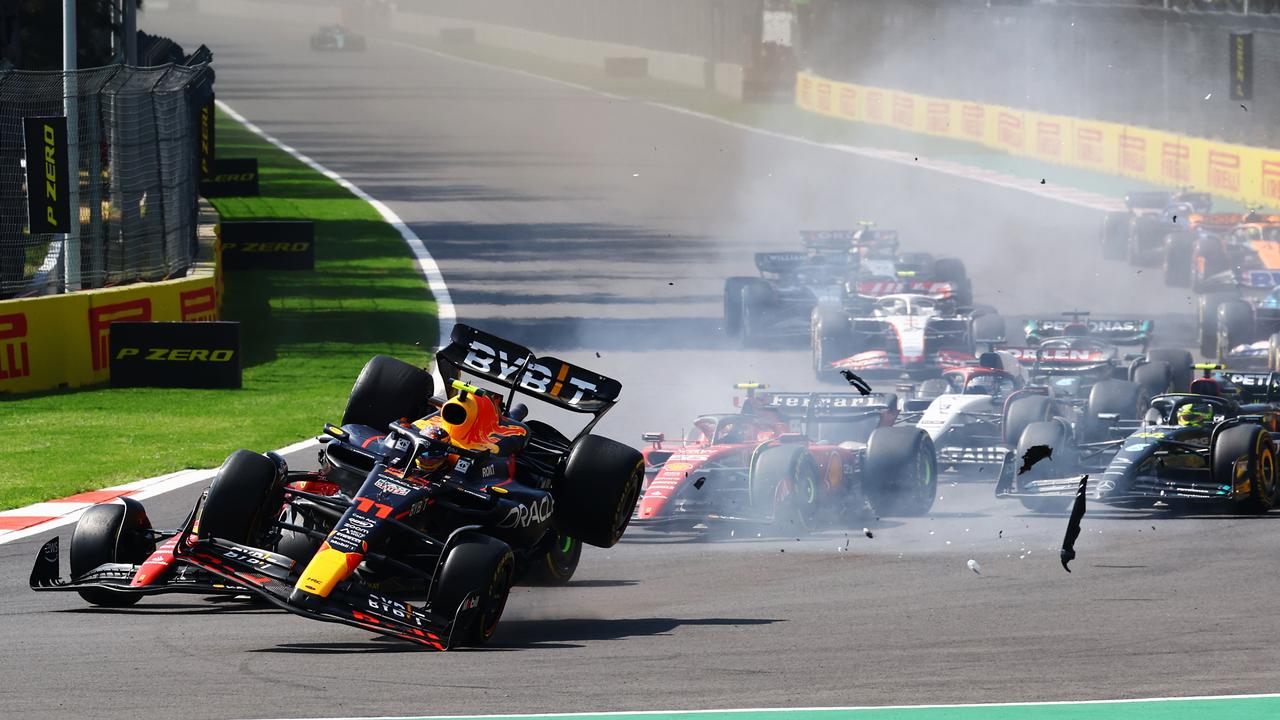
[{"x": 1195, "y": 414}]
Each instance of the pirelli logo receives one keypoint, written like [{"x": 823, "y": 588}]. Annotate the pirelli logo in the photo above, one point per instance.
[
  {"x": 48, "y": 190},
  {"x": 176, "y": 354},
  {"x": 1133, "y": 153},
  {"x": 824, "y": 96},
  {"x": 848, "y": 102},
  {"x": 875, "y": 106},
  {"x": 15, "y": 358},
  {"x": 100, "y": 320},
  {"x": 938, "y": 117},
  {"x": 1175, "y": 162},
  {"x": 268, "y": 245},
  {"x": 973, "y": 120},
  {"x": 904, "y": 111},
  {"x": 1271, "y": 179},
  {"x": 1089, "y": 146},
  {"x": 232, "y": 177},
  {"x": 1009, "y": 130},
  {"x": 804, "y": 91},
  {"x": 1224, "y": 171},
  {"x": 1049, "y": 138}
]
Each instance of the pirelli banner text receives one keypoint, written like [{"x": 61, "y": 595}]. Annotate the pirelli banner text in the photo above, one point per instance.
[
  {"x": 175, "y": 354},
  {"x": 48, "y": 202},
  {"x": 63, "y": 341},
  {"x": 1248, "y": 174}
]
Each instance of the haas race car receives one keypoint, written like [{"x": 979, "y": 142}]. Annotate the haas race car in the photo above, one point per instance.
[
  {"x": 422, "y": 515},
  {"x": 789, "y": 462},
  {"x": 1215, "y": 444}
]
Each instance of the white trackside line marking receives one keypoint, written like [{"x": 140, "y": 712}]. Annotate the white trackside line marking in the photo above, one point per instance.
[
  {"x": 1071, "y": 196},
  {"x": 863, "y": 708},
  {"x": 446, "y": 316}
]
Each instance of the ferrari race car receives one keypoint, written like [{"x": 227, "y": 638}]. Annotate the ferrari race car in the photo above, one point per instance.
[
  {"x": 789, "y": 462},
  {"x": 1242, "y": 275},
  {"x": 1138, "y": 232},
  {"x": 413, "y": 529},
  {"x": 895, "y": 335},
  {"x": 1216, "y": 444},
  {"x": 336, "y": 38}
]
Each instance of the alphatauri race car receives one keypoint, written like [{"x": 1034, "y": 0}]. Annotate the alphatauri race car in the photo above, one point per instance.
[
  {"x": 1216, "y": 444},
  {"x": 788, "y": 462},
  {"x": 897, "y": 335},
  {"x": 336, "y": 38},
  {"x": 423, "y": 513}
]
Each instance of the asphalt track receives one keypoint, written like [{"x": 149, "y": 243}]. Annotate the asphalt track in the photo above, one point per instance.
[{"x": 582, "y": 224}]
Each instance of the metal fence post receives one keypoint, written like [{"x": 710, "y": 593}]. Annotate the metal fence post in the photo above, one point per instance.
[{"x": 71, "y": 245}]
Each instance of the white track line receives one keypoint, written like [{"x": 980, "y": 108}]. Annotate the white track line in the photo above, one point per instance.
[
  {"x": 65, "y": 513},
  {"x": 853, "y": 708},
  {"x": 1065, "y": 194}
]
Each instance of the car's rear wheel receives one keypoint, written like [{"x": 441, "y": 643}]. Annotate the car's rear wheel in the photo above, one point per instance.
[
  {"x": 1048, "y": 448},
  {"x": 1155, "y": 376},
  {"x": 557, "y": 565},
  {"x": 988, "y": 328},
  {"x": 1235, "y": 327},
  {"x": 832, "y": 340},
  {"x": 1115, "y": 235},
  {"x": 1022, "y": 412},
  {"x": 1177, "y": 259},
  {"x": 733, "y": 288},
  {"x": 597, "y": 491},
  {"x": 235, "y": 507},
  {"x": 110, "y": 533},
  {"x": 901, "y": 474},
  {"x": 475, "y": 563},
  {"x": 1179, "y": 361},
  {"x": 1253, "y": 445},
  {"x": 388, "y": 390},
  {"x": 1126, "y": 400},
  {"x": 1207, "y": 322},
  {"x": 784, "y": 486},
  {"x": 756, "y": 297}
]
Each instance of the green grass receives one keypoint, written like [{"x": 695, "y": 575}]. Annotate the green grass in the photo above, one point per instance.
[{"x": 305, "y": 337}]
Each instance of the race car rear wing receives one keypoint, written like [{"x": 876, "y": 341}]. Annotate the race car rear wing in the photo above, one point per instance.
[
  {"x": 512, "y": 366},
  {"x": 827, "y": 239},
  {"x": 1254, "y": 387},
  {"x": 826, "y": 405},
  {"x": 1116, "y": 332},
  {"x": 780, "y": 263},
  {"x": 1150, "y": 200},
  {"x": 880, "y": 288}
]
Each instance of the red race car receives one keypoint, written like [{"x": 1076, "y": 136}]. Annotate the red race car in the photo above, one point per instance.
[{"x": 789, "y": 462}]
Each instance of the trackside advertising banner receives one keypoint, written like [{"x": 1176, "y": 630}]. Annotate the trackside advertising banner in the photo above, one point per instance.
[{"x": 1248, "y": 174}]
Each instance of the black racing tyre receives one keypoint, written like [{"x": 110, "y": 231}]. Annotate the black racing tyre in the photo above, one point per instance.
[
  {"x": 1126, "y": 400},
  {"x": 962, "y": 292},
  {"x": 597, "y": 491},
  {"x": 756, "y": 298},
  {"x": 236, "y": 507},
  {"x": 1177, "y": 259},
  {"x": 1022, "y": 412},
  {"x": 1252, "y": 443},
  {"x": 478, "y": 563},
  {"x": 733, "y": 304},
  {"x": 1144, "y": 239},
  {"x": 1155, "y": 376},
  {"x": 831, "y": 339},
  {"x": 950, "y": 270},
  {"x": 783, "y": 485},
  {"x": 557, "y": 565},
  {"x": 901, "y": 473},
  {"x": 1207, "y": 259},
  {"x": 110, "y": 533},
  {"x": 1207, "y": 321},
  {"x": 1063, "y": 461},
  {"x": 1179, "y": 361},
  {"x": 388, "y": 390},
  {"x": 988, "y": 328},
  {"x": 299, "y": 545},
  {"x": 1115, "y": 235},
  {"x": 1235, "y": 326}
]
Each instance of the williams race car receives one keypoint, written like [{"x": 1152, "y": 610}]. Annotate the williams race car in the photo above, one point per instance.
[
  {"x": 413, "y": 529},
  {"x": 336, "y": 38},
  {"x": 1215, "y": 444},
  {"x": 789, "y": 462}
]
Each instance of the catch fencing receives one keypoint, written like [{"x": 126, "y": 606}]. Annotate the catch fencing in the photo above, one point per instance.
[{"x": 136, "y": 131}]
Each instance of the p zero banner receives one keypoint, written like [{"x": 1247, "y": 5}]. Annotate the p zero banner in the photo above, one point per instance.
[
  {"x": 268, "y": 244},
  {"x": 175, "y": 354},
  {"x": 1241, "y": 66},
  {"x": 48, "y": 201},
  {"x": 1248, "y": 174},
  {"x": 207, "y": 139},
  {"x": 232, "y": 177}
]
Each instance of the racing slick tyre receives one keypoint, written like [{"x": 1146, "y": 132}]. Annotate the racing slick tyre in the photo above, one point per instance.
[
  {"x": 1177, "y": 259},
  {"x": 988, "y": 328},
  {"x": 733, "y": 304},
  {"x": 388, "y": 390},
  {"x": 1060, "y": 461},
  {"x": 831, "y": 340},
  {"x": 236, "y": 505},
  {"x": 1115, "y": 235},
  {"x": 1207, "y": 260},
  {"x": 597, "y": 491},
  {"x": 110, "y": 533},
  {"x": 1235, "y": 326},
  {"x": 756, "y": 297},
  {"x": 299, "y": 545},
  {"x": 1253, "y": 445},
  {"x": 1179, "y": 365},
  {"x": 1144, "y": 237},
  {"x": 783, "y": 485},
  {"x": 1207, "y": 321},
  {"x": 1273, "y": 352},
  {"x": 557, "y": 565},
  {"x": 1155, "y": 376},
  {"x": 950, "y": 270},
  {"x": 901, "y": 476},
  {"x": 1126, "y": 400},
  {"x": 1022, "y": 412},
  {"x": 478, "y": 563}
]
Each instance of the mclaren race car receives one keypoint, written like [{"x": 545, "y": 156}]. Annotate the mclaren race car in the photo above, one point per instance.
[
  {"x": 1241, "y": 278},
  {"x": 789, "y": 462},
  {"x": 336, "y": 38},
  {"x": 413, "y": 529},
  {"x": 1216, "y": 444},
  {"x": 897, "y": 335}
]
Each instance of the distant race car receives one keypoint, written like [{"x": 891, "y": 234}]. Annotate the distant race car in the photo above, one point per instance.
[
  {"x": 1195, "y": 248},
  {"x": 1216, "y": 444},
  {"x": 897, "y": 335},
  {"x": 336, "y": 37},
  {"x": 1138, "y": 232},
  {"x": 1240, "y": 274},
  {"x": 789, "y": 462},
  {"x": 448, "y": 511}
]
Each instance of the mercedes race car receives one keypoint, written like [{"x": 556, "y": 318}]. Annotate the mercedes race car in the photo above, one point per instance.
[
  {"x": 1073, "y": 353},
  {"x": 897, "y": 335},
  {"x": 1138, "y": 232},
  {"x": 336, "y": 38},
  {"x": 787, "y": 463},
  {"x": 1215, "y": 444},
  {"x": 410, "y": 528}
]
